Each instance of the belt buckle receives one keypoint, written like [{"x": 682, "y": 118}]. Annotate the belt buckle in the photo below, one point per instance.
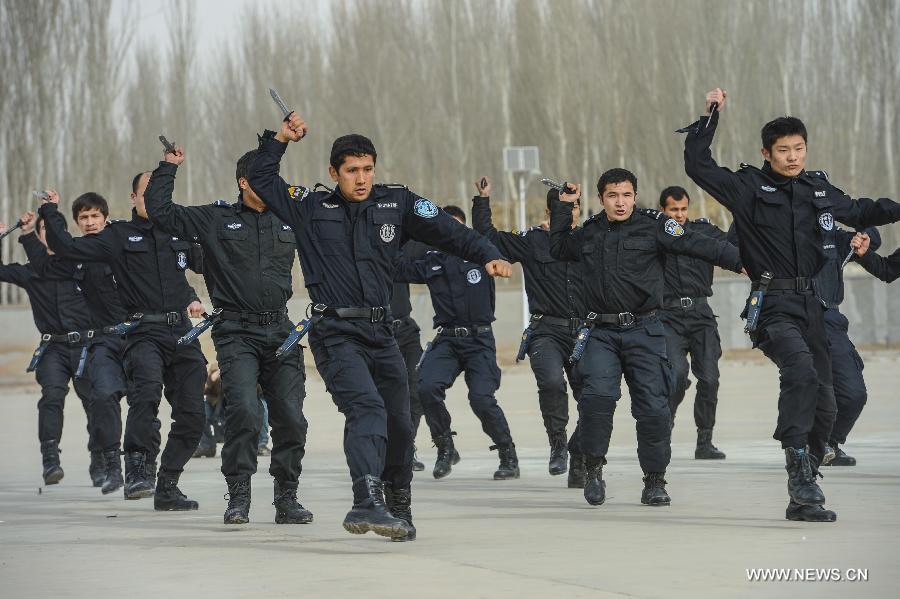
[
  {"x": 46, "y": 337},
  {"x": 464, "y": 333},
  {"x": 536, "y": 317},
  {"x": 687, "y": 302},
  {"x": 91, "y": 333},
  {"x": 173, "y": 318},
  {"x": 396, "y": 323},
  {"x": 319, "y": 309},
  {"x": 592, "y": 316},
  {"x": 627, "y": 319},
  {"x": 801, "y": 284},
  {"x": 73, "y": 337},
  {"x": 377, "y": 314}
]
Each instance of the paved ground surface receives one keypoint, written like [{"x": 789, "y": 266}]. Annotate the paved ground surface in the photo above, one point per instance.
[{"x": 477, "y": 538}]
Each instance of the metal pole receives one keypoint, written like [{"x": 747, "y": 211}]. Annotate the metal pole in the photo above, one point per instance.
[{"x": 525, "y": 314}]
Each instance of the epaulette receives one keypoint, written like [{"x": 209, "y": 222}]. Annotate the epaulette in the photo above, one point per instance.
[
  {"x": 116, "y": 221},
  {"x": 323, "y": 186},
  {"x": 221, "y": 203},
  {"x": 701, "y": 220},
  {"x": 818, "y": 174},
  {"x": 392, "y": 185},
  {"x": 298, "y": 192},
  {"x": 655, "y": 214}
]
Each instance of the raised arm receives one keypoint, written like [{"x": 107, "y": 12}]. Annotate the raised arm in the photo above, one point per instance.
[
  {"x": 282, "y": 199},
  {"x": 722, "y": 184},
  {"x": 187, "y": 222},
  {"x": 514, "y": 247},
  {"x": 565, "y": 243},
  {"x": 99, "y": 247}
]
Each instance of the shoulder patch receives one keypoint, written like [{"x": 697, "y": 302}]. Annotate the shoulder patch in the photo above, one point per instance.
[
  {"x": 705, "y": 221},
  {"x": 221, "y": 203},
  {"x": 425, "y": 208},
  {"x": 673, "y": 228},
  {"x": 323, "y": 186},
  {"x": 391, "y": 185},
  {"x": 116, "y": 221},
  {"x": 298, "y": 192}
]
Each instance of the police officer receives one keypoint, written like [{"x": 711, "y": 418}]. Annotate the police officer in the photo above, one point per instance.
[
  {"x": 846, "y": 364},
  {"x": 780, "y": 214},
  {"x": 61, "y": 315},
  {"x": 149, "y": 268},
  {"x": 348, "y": 240},
  {"x": 554, "y": 290},
  {"x": 248, "y": 257},
  {"x": 407, "y": 334},
  {"x": 463, "y": 297},
  {"x": 105, "y": 348},
  {"x": 623, "y": 251},
  {"x": 691, "y": 326},
  {"x": 886, "y": 269}
]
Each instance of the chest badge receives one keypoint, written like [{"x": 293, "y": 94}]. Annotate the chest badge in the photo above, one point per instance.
[
  {"x": 826, "y": 221},
  {"x": 473, "y": 276},
  {"x": 181, "y": 260},
  {"x": 768, "y": 188},
  {"x": 234, "y": 226},
  {"x": 387, "y": 233},
  {"x": 135, "y": 238}
]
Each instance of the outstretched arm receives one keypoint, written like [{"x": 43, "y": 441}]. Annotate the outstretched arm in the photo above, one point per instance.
[{"x": 99, "y": 247}]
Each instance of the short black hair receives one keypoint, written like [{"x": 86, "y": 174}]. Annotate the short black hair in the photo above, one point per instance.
[
  {"x": 781, "y": 127},
  {"x": 243, "y": 165},
  {"x": 90, "y": 201},
  {"x": 40, "y": 219},
  {"x": 456, "y": 212},
  {"x": 616, "y": 175},
  {"x": 675, "y": 192},
  {"x": 351, "y": 145},
  {"x": 137, "y": 181}
]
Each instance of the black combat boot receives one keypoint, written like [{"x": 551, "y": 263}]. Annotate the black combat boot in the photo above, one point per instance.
[
  {"x": 808, "y": 513},
  {"x": 840, "y": 458},
  {"x": 97, "y": 469},
  {"x": 150, "y": 468},
  {"x": 206, "y": 448},
  {"x": 802, "y": 470},
  {"x": 238, "y": 496},
  {"x": 399, "y": 502},
  {"x": 447, "y": 456},
  {"x": 509, "y": 462},
  {"x": 137, "y": 485},
  {"x": 559, "y": 455},
  {"x": 169, "y": 498},
  {"x": 53, "y": 472},
  {"x": 371, "y": 513},
  {"x": 705, "y": 448},
  {"x": 576, "y": 471},
  {"x": 417, "y": 466},
  {"x": 654, "y": 492},
  {"x": 594, "y": 485},
  {"x": 113, "y": 472},
  {"x": 287, "y": 509}
]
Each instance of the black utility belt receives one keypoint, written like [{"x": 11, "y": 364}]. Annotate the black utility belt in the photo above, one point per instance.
[
  {"x": 72, "y": 338},
  {"x": 797, "y": 285},
  {"x": 261, "y": 318},
  {"x": 169, "y": 318},
  {"x": 375, "y": 314},
  {"x": 685, "y": 303},
  {"x": 620, "y": 319},
  {"x": 464, "y": 331},
  {"x": 570, "y": 323}
]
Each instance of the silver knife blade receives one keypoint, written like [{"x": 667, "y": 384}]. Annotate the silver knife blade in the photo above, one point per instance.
[
  {"x": 169, "y": 146},
  {"x": 280, "y": 102},
  {"x": 847, "y": 259}
]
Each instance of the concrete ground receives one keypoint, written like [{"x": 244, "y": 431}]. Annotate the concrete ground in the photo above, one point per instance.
[{"x": 477, "y": 538}]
